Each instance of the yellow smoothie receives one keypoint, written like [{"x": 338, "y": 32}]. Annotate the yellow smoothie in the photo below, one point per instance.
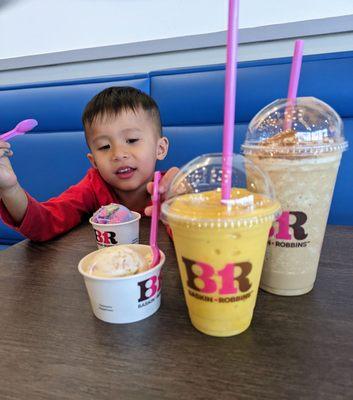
[{"x": 220, "y": 251}]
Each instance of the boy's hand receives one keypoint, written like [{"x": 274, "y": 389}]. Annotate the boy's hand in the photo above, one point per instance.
[
  {"x": 8, "y": 179},
  {"x": 163, "y": 186}
]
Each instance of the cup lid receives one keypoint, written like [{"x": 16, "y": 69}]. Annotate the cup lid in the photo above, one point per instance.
[
  {"x": 195, "y": 198},
  {"x": 303, "y": 126}
]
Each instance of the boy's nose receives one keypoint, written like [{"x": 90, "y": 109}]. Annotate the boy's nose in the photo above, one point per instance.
[{"x": 120, "y": 154}]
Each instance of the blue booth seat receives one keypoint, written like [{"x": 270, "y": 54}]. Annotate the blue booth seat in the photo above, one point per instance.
[
  {"x": 191, "y": 101},
  {"x": 57, "y": 106},
  {"x": 52, "y": 157}
]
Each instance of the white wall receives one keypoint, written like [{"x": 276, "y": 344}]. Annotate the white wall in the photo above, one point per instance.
[
  {"x": 45, "y": 40},
  {"x": 30, "y": 27}
]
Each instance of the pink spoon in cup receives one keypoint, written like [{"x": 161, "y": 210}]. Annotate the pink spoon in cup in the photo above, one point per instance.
[
  {"x": 20, "y": 129},
  {"x": 154, "y": 220}
]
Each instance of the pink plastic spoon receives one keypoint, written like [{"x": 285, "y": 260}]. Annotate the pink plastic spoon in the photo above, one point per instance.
[
  {"x": 20, "y": 129},
  {"x": 154, "y": 220}
]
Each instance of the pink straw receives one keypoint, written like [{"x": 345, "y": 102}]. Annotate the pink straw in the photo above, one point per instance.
[
  {"x": 229, "y": 100},
  {"x": 294, "y": 79},
  {"x": 154, "y": 219}
]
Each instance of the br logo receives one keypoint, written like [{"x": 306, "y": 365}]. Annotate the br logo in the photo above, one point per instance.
[
  {"x": 284, "y": 228},
  {"x": 204, "y": 277},
  {"x": 150, "y": 287},
  {"x": 105, "y": 238}
]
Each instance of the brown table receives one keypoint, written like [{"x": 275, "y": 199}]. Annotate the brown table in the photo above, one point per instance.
[{"x": 52, "y": 347}]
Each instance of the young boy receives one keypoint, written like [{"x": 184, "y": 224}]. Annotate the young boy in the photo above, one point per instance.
[{"x": 123, "y": 132}]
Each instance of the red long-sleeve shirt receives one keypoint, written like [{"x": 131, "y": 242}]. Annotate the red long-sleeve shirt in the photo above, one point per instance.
[{"x": 45, "y": 220}]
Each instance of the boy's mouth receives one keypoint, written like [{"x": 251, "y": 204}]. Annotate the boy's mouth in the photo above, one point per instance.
[{"x": 125, "y": 172}]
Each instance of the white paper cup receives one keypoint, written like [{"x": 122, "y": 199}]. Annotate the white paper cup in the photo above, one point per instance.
[
  {"x": 124, "y": 299},
  {"x": 112, "y": 234}
]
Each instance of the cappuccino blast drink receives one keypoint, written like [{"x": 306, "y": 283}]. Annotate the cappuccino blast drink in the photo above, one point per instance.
[{"x": 302, "y": 162}]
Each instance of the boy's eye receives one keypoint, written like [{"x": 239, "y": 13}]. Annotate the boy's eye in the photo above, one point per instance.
[
  {"x": 106, "y": 147},
  {"x": 131, "y": 141}
]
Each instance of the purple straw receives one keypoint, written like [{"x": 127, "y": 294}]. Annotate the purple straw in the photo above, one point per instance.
[
  {"x": 229, "y": 100},
  {"x": 295, "y": 71},
  {"x": 294, "y": 81},
  {"x": 154, "y": 219}
]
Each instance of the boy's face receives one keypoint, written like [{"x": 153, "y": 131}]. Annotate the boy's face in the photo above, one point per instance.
[{"x": 125, "y": 147}]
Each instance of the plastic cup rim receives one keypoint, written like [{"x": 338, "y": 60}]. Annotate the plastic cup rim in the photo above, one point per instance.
[
  {"x": 239, "y": 222},
  {"x": 338, "y": 147}
]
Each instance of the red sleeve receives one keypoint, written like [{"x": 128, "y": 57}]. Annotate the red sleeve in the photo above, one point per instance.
[{"x": 45, "y": 220}]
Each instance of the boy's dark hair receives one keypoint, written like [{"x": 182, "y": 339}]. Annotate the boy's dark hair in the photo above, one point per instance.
[{"x": 113, "y": 100}]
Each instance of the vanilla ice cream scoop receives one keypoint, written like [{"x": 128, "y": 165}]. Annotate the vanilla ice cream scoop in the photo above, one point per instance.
[{"x": 117, "y": 261}]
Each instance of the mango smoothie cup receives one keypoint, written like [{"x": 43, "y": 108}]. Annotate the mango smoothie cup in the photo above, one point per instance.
[{"x": 220, "y": 247}]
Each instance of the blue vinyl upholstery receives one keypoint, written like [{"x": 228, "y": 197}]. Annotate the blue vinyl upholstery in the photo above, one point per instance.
[
  {"x": 52, "y": 157},
  {"x": 191, "y": 101},
  {"x": 57, "y": 106}
]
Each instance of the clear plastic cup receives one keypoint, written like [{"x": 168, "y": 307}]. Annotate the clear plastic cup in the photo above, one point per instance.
[
  {"x": 299, "y": 144},
  {"x": 220, "y": 246}
]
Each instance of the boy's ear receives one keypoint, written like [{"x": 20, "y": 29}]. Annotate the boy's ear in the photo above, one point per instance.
[
  {"x": 91, "y": 160},
  {"x": 162, "y": 148}
]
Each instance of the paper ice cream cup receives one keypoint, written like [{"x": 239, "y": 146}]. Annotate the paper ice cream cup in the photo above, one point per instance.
[
  {"x": 112, "y": 234},
  {"x": 125, "y": 299}
]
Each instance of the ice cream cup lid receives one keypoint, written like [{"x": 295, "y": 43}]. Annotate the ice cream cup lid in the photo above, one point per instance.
[{"x": 302, "y": 127}]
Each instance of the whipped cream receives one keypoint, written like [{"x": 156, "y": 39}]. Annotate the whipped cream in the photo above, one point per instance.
[{"x": 293, "y": 138}]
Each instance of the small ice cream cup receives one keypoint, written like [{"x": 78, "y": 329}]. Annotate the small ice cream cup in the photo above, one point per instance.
[
  {"x": 117, "y": 233},
  {"x": 126, "y": 299}
]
